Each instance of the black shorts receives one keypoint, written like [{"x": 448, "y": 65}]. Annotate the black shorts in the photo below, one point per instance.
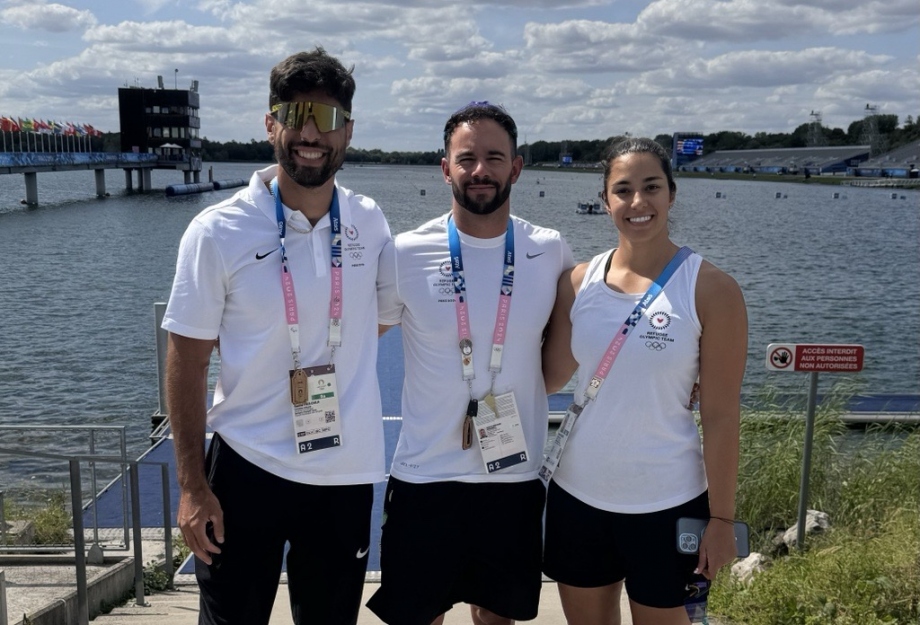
[
  {"x": 450, "y": 542},
  {"x": 327, "y": 527},
  {"x": 587, "y": 547}
]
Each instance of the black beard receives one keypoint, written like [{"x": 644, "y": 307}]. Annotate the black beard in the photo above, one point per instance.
[
  {"x": 307, "y": 177},
  {"x": 485, "y": 207}
]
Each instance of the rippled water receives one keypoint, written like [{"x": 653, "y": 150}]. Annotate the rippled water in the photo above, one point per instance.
[{"x": 79, "y": 276}]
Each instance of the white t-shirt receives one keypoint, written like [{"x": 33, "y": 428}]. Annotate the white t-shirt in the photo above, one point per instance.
[
  {"x": 636, "y": 447},
  {"x": 416, "y": 290},
  {"x": 228, "y": 286}
]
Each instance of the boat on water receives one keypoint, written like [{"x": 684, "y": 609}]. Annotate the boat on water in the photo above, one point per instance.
[{"x": 589, "y": 208}]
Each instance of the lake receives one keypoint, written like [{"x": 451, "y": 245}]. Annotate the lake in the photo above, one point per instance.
[{"x": 80, "y": 276}]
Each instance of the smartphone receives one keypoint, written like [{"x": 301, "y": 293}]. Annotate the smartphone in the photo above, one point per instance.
[{"x": 690, "y": 533}]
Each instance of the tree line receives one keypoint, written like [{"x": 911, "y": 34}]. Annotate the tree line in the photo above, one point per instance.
[{"x": 886, "y": 134}]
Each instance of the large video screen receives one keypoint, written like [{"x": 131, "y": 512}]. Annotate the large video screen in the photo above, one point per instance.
[{"x": 690, "y": 147}]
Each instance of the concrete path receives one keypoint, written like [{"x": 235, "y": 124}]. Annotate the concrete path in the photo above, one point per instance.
[{"x": 180, "y": 607}]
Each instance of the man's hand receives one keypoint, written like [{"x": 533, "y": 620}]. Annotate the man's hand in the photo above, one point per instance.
[{"x": 197, "y": 510}]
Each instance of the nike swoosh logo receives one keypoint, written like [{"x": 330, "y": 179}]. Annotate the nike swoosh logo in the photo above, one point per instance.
[
  {"x": 361, "y": 553},
  {"x": 261, "y": 256},
  {"x": 529, "y": 255}
]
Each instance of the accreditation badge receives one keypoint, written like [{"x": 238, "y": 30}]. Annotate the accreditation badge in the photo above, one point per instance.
[
  {"x": 501, "y": 435},
  {"x": 315, "y": 406}
]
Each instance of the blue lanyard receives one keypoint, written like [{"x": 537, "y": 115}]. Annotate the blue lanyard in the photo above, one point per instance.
[{"x": 461, "y": 304}]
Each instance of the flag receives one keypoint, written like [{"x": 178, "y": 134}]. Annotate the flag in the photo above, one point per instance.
[
  {"x": 42, "y": 126},
  {"x": 80, "y": 129},
  {"x": 56, "y": 128},
  {"x": 69, "y": 130},
  {"x": 26, "y": 125},
  {"x": 6, "y": 124}
]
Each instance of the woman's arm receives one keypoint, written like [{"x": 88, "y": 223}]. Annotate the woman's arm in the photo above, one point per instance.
[
  {"x": 558, "y": 362},
  {"x": 723, "y": 355}
]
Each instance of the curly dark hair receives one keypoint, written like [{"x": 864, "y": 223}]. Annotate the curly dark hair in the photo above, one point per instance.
[
  {"x": 475, "y": 111},
  {"x": 311, "y": 71}
]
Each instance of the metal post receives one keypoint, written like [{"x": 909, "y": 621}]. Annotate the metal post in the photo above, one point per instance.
[
  {"x": 159, "y": 311},
  {"x": 2, "y": 527},
  {"x": 806, "y": 458},
  {"x": 79, "y": 545},
  {"x": 167, "y": 525},
  {"x": 95, "y": 491},
  {"x": 136, "y": 525},
  {"x": 3, "y": 613},
  {"x": 123, "y": 449}
]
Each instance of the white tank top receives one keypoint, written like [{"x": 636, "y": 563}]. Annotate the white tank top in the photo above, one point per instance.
[{"x": 636, "y": 447}]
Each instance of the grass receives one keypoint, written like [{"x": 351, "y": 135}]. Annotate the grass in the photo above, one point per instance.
[
  {"x": 50, "y": 516},
  {"x": 866, "y": 569}
]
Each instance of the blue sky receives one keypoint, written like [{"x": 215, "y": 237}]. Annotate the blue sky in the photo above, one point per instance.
[{"x": 588, "y": 69}]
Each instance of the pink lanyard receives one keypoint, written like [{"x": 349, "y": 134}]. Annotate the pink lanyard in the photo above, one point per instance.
[{"x": 287, "y": 281}]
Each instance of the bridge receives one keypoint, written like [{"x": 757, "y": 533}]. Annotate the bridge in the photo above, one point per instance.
[{"x": 30, "y": 164}]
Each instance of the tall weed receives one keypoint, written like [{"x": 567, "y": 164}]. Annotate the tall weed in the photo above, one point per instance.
[{"x": 866, "y": 569}]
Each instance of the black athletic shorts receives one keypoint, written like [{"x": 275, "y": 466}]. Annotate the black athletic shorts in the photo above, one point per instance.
[
  {"x": 328, "y": 528},
  {"x": 450, "y": 542},
  {"x": 587, "y": 548}
]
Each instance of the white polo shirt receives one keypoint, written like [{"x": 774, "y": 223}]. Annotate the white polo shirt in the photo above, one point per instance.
[{"x": 228, "y": 287}]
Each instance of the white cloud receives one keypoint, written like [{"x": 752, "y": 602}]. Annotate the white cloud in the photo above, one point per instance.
[
  {"x": 54, "y": 18},
  {"x": 757, "y": 69},
  {"x": 565, "y": 70},
  {"x": 754, "y": 20},
  {"x": 589, "y": 46}
]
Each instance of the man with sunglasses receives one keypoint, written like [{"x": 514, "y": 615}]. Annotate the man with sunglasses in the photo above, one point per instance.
[
  {"x": 463, "y": 507},
  {"x": 281, "y": 278}
]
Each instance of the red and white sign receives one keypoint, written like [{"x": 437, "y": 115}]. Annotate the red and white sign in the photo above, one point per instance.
[{"x": 814, "y": 357}]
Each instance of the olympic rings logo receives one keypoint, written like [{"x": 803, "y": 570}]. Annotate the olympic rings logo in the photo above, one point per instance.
[
  {"x": 655, "y": 345},
  {"x": 355, "y": 255},
  {"x": 445, "y": 290}
]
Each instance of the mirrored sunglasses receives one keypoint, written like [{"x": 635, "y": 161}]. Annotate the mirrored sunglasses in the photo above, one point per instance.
[{"x": 294, "y": 115}]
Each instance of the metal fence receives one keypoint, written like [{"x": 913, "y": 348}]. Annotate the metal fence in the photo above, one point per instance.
[{"x": 130, "y": 495}]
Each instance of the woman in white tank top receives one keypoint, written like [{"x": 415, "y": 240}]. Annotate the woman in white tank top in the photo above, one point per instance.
[{"x": 634, "y": 458}]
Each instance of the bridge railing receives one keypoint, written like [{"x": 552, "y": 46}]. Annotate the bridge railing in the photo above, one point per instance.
[{"x": 102, "y": 159}]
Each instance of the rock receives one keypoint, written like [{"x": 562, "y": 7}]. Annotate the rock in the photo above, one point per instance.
[
  {"x": 744, "y": 570},
  {"x": 816, "y": 522}
]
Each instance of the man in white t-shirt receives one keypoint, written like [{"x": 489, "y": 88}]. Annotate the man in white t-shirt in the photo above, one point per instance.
[
  {"x": 281, "y": 279},
  {"x": 472, "y": 290}
]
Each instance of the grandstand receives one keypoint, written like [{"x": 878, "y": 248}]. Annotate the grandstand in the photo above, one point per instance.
[
  {"x": 901, "y": 162},
  {"x": 814, "y": 160}
]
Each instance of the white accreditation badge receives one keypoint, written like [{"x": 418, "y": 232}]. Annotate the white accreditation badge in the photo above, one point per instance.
[
  {"x": 501, "y": 436},
  {"x": 315, "y": 406}
]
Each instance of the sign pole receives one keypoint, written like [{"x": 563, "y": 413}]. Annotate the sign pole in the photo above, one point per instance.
[{"x": 806, "y": 458}]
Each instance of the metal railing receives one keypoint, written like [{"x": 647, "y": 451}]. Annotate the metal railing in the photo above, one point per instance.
[
  {"x": 92, "y": 458},
  {"x": 79, "y": 537}
]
